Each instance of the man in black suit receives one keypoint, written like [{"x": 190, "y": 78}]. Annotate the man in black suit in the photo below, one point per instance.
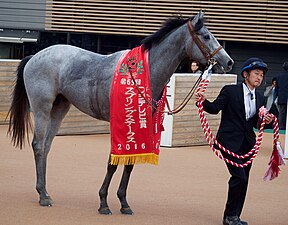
[
  {"x": 281, "y": 91},
  {"x": 240, "y": 106}
]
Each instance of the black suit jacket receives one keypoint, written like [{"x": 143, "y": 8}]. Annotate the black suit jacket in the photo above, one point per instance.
[{"x": 234, "y": 128}]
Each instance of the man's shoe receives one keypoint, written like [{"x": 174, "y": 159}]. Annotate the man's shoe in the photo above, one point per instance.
[
  {"x": 243, "y": 222},
  {"x": 231, "y": 220}
]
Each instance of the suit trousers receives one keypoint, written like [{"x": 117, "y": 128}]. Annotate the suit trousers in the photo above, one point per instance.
[
  {"x": 238, "y": 182},
  {"x": 282, "y": 116}
]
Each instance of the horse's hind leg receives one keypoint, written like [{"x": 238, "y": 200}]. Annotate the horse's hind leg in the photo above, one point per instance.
[
  {"x": 122, "y": 190},
  {"x": 46, "y": 127}
]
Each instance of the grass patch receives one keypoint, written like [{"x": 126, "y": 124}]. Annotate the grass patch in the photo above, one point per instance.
[{"x": 270, "y": 131}]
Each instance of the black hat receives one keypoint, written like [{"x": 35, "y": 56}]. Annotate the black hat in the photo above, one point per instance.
[{"x": 254, "y": 63}]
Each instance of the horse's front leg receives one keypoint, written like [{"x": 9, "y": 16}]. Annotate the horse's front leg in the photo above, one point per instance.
[
  {"x": 103, "y": 192},
  {"x": 121, "y": 193}
]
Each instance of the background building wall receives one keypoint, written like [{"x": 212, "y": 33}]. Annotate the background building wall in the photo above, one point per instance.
[
  {"x": 22, "y": 14},
  {"x": 245, "y": 28},
  {"x": 262, "y": 21}
]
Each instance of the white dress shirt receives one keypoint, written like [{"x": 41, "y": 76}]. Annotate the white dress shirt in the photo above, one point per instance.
[{"x": 250, "y": 102}]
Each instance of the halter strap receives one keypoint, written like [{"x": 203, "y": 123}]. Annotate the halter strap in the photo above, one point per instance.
[{"x": 205, "y": 51}]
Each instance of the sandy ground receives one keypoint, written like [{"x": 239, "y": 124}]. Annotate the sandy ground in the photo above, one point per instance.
[{"x": 187, "y": 187}]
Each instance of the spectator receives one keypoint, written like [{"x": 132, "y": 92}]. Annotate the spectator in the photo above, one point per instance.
[
  {"x": 270, "y": 97},
  {"x": 195, "y": 67},
  {"x": 281, "y": 91}
]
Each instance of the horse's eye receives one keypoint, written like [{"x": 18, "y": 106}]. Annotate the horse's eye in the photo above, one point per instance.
[{"x": 207, "y": 37}]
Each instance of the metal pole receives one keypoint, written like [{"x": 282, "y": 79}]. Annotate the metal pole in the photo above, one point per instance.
[{"x": 68, "y": 38}]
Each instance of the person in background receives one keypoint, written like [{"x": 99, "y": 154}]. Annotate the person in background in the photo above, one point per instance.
[
  {"x": 281, "y": 92},
  {"x": 195, "y": 67},
  {"x": 240, "y": 104},
  {"x": 269, "y": 93}
]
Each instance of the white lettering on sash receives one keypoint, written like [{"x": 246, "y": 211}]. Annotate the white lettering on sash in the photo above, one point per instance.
[
  {"x": 129, "y": 121},
  {"x": 142, "y": 109}
]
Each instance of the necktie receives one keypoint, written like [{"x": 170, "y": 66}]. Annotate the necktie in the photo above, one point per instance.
[{"x": 251, "y": 105}]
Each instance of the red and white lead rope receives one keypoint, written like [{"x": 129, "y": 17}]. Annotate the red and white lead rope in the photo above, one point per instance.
[{"x": 210, "y": 138}]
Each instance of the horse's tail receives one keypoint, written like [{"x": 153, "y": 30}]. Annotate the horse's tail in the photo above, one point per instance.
[{"x": 19, "y": 115}]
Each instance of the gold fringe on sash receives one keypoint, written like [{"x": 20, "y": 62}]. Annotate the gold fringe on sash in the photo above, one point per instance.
[{"x": 134, "y": 159}]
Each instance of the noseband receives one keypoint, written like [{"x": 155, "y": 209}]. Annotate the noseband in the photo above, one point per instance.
[{"x": 205, "y": 51}]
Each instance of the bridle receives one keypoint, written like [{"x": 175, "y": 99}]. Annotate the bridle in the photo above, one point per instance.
[
  {"x": 208, "y": 56},
  {"x": 205, "y": 51}
]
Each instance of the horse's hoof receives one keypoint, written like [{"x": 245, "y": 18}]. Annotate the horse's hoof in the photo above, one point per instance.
[
  {"x": 126, "y": 211},
  {"x": 104, "y": 211},
  {"x": 47, "y": 201}
]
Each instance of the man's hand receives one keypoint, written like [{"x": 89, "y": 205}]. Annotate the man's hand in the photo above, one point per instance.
[
  {"x": 268, "y": 118},
  {"x": 199, "y": 96}
]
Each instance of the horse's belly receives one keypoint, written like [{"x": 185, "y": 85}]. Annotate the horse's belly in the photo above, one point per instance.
[{"x": 87, "y": 101}]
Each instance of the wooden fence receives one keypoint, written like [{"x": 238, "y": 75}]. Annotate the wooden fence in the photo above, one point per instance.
[
  {"x": 75, "y": 122},
  {"x": 184, "y": 128}
]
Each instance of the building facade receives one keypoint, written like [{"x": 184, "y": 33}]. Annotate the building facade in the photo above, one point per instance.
[{"x": 245, "y": 28}]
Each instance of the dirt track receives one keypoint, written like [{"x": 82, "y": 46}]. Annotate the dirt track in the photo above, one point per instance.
[{"x": 187, "y": 187}]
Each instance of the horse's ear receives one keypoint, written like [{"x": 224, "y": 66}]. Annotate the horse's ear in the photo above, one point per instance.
[{"x": 198, "y": 21}]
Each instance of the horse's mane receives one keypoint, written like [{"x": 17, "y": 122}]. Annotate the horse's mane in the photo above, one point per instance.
[{"x": 169, "y": 25}]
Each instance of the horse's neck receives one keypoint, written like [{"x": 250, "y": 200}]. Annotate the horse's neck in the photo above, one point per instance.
[{"x": 164, "y": 59}]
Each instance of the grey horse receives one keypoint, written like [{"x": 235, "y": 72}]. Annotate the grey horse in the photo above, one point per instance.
[{"x": 51, "y": 80}]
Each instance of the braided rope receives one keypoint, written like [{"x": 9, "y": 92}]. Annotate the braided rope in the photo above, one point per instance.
[{"x": 210, "y": 138}]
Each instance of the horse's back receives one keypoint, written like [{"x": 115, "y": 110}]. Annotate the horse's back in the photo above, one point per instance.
[
  {"x": 82, "y": 77},
  {"x": 59, "y": 62},
  {"x": 60, "y": 59}
]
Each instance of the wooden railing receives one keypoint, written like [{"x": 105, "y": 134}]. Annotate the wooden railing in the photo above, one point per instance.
[{"x": 75, "y": 122}]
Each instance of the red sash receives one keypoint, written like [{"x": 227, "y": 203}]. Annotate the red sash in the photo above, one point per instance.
[{"x": 135, "y": 135}]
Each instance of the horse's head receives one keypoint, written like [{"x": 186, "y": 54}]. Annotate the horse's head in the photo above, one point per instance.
[{"x": 203, "y": 46}]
